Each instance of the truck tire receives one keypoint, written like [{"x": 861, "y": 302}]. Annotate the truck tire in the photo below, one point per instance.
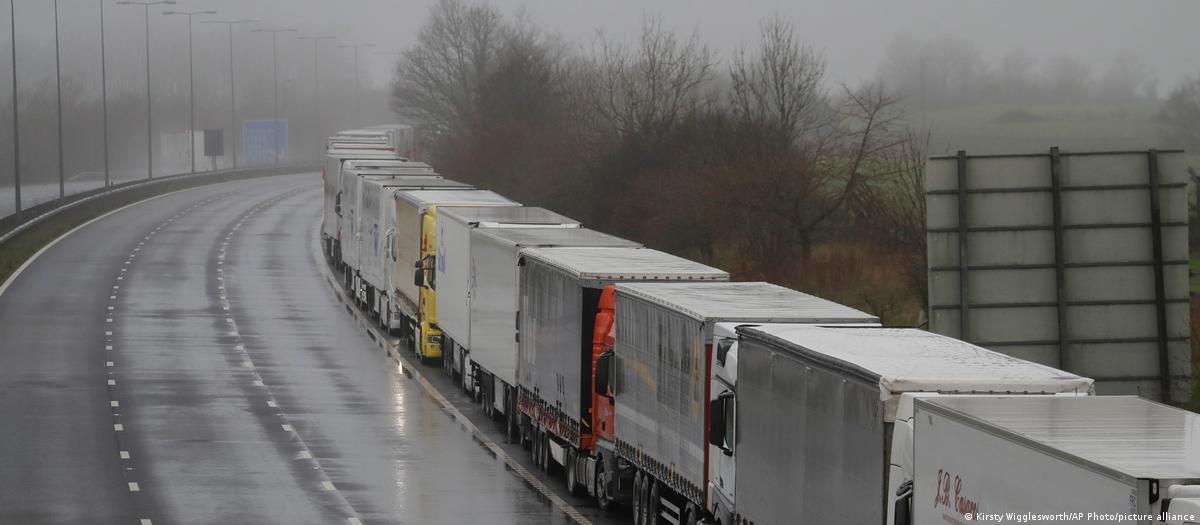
[
  {"x": 652, "y": 503},
  {"x": 572, "y": 472},
  {"x": 513, "y": 430},
  {"x": 638, "y": 499},
  {"x": 602, "y": 499}
]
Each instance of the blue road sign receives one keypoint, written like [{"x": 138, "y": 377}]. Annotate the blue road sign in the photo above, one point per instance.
[{"x": 261, "y": 137}]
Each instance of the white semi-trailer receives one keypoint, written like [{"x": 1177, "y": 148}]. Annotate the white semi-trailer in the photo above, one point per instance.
[
  {"x": 331, "y": 178},
  {"x": 652, "y": 424},
  {"x": 1117, "y": 459},
  {"x": 374, "y": 232},
  {"x": 819, "y": 426},
  {"x": 489, "y": 356},
  {"x": 455, "y": 273},
  {"x": 413, "y": 248}
]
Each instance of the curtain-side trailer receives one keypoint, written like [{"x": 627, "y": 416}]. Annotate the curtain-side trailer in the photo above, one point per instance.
[
  {"x": 559, "y": 300},
  {"x": 652, "y": 424},
  {"x": 822, "y": 416},
  {"x": 494, "y": 296},
  {"x": 1119, "y": 459}
]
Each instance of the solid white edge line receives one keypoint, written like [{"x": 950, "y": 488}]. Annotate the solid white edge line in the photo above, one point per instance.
[
  {"x": 515, "y": 466},
  {"x": 13, "y": 277}
]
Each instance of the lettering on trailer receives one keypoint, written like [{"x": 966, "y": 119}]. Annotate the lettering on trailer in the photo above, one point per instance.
[
  {"x": 261, "y": 137},
  {"x": 941, "y": 498}
]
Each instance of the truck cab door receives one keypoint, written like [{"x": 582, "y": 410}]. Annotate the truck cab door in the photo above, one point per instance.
[{"x": 722, "y": 458}]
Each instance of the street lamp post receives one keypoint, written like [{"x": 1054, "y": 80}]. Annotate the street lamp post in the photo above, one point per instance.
[
  {"x": 316, "y": 80},
  {"x": 62, "y": 185},
  {"x": 232, "y": 97},
  {"x": 149, "y": 109},
  {"x": 357, "y": 94},
  {"x": 191, "y": 82},
  {"x": 275, "y": 79},
  {"x": 104, "y": 94},
  {"x": 12, "y": 9}
]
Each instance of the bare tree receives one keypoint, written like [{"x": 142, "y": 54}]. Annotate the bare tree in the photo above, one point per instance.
[
  {"x": 439, "y": 79},
  {"x": 643, "y": 91},
  {"x": 1180, "y": 116},
  {"x": 779, "y": 89}
]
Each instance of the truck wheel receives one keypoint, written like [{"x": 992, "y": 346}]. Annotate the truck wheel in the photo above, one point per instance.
[
  {"x": 536, "y": 445},
  {"x": 513, "y": 430},
  {"x": 602, "y": 498},
  {"x": 638, "y": 499},
  {"x": 572, "y": 472},
  {"x": 652, "y": 503}
]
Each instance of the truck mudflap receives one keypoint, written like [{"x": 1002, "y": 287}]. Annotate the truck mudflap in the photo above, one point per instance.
[
  {"x": 664, "y": 473},
  {"x": 553, "y": 419}
]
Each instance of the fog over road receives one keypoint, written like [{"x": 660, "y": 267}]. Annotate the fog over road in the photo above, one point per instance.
[{"x": 184, "y": 361}]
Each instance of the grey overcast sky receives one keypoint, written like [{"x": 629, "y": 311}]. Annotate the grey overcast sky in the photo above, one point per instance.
[{"x": 854, "y": 34}]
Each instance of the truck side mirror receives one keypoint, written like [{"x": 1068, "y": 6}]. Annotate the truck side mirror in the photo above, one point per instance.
[
  {"x": 603, "y": 366},
  {"x": 716, "y": 422},
  {"x": 337, "y": 204},
  {"x": 419, "y": 276},
  {"x": 903, "y": 511},
  {"x": 723, "y": 347}
]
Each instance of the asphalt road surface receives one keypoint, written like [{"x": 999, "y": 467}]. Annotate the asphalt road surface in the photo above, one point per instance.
[{"x": 184, "y": 360}]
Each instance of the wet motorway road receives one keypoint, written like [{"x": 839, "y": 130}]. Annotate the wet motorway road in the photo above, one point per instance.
[{"x": 184, "y": 360}]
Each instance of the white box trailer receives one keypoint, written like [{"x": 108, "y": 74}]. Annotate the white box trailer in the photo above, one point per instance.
[
  {"x": 410, "y": 211},
  {"x": 454, "y": 271},
  {"x": 1057, "y": 459},
  {"x": 493, "y": 301},
  {"x": 822, "y": 416},
  {"x": 349, "y": 205},
  {"x": 560, "y": 294},
  {"x": 663, "y": 358},
  {"x": 331, "y": 177},
  {"x": 377, "y": 228}
]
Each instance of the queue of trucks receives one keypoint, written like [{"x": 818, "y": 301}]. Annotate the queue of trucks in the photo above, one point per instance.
[{"x": 654, "y": 384}]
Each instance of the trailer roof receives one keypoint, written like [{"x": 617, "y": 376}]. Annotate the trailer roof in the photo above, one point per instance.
[
  {"x": 514, "y": 215},
  {"x": 385, "y": 163},
  {"x": 744, "y": 301},
  {"x": 362, "y": 153},
  {"x": 1125, "y": 434},
  {"x": 385, "y": 171},
  {"x": 413, "y": 182},
  {"x": 912, "y": 360},
  {"x": 623, "y": 264},
  {"x": 548, "y": 237},
  {"x": 426, "y": 198}
]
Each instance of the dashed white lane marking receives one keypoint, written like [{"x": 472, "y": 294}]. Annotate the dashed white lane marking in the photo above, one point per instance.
[
  {"x": 354, "y": 521},
  {"x": 108, "y": 319},
  {"x": 112, "y": 382},
  {"x": 114, "y": 403},
  {"x": 110, "y": 308},
  {"x": 107, "y": 333},
  {"x": 272, "y": 404},
  {"x": 286, "y": 427},
  {"x": 125, "y": 454},
  {"x": 117, "y": 427},
  {"x": 258, "y": 382},
  {"x": 327, "y": 485},
  {"x": 108, "y": 347},
  {"x": 133, "y": 487},
  {"x": 108, "y": 364},
  {"x": 145, "y": 522},
  {"x": 304, "y": 454}
]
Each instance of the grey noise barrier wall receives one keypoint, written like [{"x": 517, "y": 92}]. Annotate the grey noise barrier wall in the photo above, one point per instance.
[
  {"x": 1074, "y": 260},
  {"x": 15, "y": 225}
]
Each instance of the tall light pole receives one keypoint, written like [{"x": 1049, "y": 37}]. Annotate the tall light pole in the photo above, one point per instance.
[
  {"x": 316, "y": 80},
  {"x": 149, "y": 109},
  {"x": 62, "y": 185},
  {"x": 275, "y": 79},
  {"x": 104, "y": 94},
  {"x": 12, "y": 10},
  {"x": 357, "y": 94},
  {"x": 191, "y": 82},
  {"x": 232, "y": 97}
]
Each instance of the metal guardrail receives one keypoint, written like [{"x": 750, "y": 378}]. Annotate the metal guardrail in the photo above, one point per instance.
[{"x": 15, "y": 224}]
